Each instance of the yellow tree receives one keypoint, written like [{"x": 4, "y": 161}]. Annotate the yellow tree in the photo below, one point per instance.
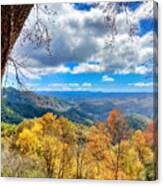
[
  {"x": 65, "y": 133},
  {"x": 51, "y": 152},
  {"x": 96, "y": 153},
  {"x": 130, "y": 166},
  {"x": 80, "y": 144},
  {"x": 119, "y": 130},
  {"x": 145, "y": 154},
  {"x": 35, "y": 138}
]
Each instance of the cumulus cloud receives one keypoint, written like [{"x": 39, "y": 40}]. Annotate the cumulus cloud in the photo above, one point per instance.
[
  {"x": 107, "y": 78},
  {"x": 144, "y": 11},
  {"x": 87, "y": 67},
  {"x": 80, "y": 36},
  {"x": 136, "y": 70},
  {"x": 37, "y": 73},
  {"x": 51, "y": 70},
  {"x": 64, "y": 84},
  {"x": 68, "y": 86},
  {"x": 127, "y": 55},
  {"x": 74, "y": 36},
  {"x": 87, "y": 84},
  {"x": 141, "y": 84}
]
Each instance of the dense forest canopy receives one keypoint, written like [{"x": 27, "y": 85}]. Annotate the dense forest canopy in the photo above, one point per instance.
[{"x": 58, "y": 148}]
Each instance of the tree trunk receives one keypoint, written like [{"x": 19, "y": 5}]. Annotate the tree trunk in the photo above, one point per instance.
[
  {"x": 12, "y": 21},
  {"x": 117, "y": 162}
]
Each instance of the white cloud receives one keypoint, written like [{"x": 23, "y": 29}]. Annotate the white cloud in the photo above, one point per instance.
[
  {"x": 27, "y": 73},
  {"x": 144, "y": 11},
  {"x": 86, "y": 84},
  {"x": 70, "y": 86},
  {"x": 136, "y": 70},
  {"x": 64, "y": 85},
  {"x": 141, "y": 84},
  {"x": 127, "y": 55},
  {"x": 107, "y": 78},
  {"x": 36, "y": 73},
  {"x": 142, "y": 70},
  {"x": 51, "y": 70},
  {"x": 80, "y": 36},
  {"x": 87, "y": 67}
]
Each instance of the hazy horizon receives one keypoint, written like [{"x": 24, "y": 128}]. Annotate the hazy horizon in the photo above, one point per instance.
[{"x": 89, "y": 91}]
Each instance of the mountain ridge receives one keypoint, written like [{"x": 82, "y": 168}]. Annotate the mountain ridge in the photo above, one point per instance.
[{"x": 78, "y": 107}]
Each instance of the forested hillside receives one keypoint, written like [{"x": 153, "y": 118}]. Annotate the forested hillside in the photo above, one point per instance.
[
  {"x": 79, "y": 107},
  {"x": 55, "y": 147}
]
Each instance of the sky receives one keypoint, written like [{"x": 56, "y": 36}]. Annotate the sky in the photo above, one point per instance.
[{"x": 81, "y": 60}]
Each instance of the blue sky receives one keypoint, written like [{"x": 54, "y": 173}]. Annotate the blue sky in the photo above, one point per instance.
[
  {"x": 146, "y": 25},
  {"x": 83, "y": 6},
  {"x": 82, "y": 60}
]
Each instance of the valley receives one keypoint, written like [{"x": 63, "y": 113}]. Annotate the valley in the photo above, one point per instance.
[{"x": 80, "y": 107}]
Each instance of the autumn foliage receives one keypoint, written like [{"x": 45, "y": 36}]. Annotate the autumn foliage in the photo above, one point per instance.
[{"x": 55, "y": 147}]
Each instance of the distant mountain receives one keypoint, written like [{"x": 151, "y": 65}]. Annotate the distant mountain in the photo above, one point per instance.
[
  {"x": 80, "y": 107},
  {"x": 98, "y": 109},
  {"x": 17, "y": 105},
  {"x": 137, "y": 121},
  {"x": 141, "y": 103},
  {"x": 84, "y": 95}
]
